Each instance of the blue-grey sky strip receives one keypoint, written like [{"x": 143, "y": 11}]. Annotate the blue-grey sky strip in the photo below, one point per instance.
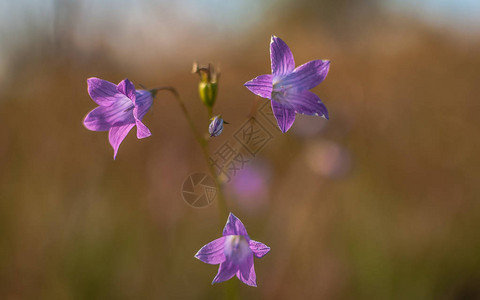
[
  {"x": 95, "y": 20},
  {"x": 460, "y": 15},
  {"x": 21, "y": 20}
]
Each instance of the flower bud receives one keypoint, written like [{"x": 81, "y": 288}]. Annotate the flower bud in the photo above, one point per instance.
[
  {"x": 216, "y": 126},
  {"x": 208, "y": 85}
]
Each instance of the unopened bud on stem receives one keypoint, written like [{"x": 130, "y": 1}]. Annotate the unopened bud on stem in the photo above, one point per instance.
[
  {"x": 216, "y": 126},
  {"x": 208, "y": 85}
]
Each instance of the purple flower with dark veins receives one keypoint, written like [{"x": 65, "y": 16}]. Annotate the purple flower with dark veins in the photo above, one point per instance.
[
  {"x": 121, "y": 107},
  {"x": 234, "y": 252},
  {"x": 288, "y": 87}
]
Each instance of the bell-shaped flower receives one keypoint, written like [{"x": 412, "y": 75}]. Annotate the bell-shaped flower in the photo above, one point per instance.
[
  {"x": 288, "y": 87},
  {"x": 121, "y": 107},
  {"x": 234, "y": 252}
]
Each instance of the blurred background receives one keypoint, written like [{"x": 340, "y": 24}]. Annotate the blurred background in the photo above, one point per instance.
[{"x": 379, "y": 202}]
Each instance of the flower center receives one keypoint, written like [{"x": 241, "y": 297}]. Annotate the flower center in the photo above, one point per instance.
[
  {"x": 279, "y": 92},
  {"x": 237, "y": 248}
]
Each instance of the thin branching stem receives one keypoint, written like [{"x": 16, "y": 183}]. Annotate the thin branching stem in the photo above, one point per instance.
[{"x": 203, "y": 145}]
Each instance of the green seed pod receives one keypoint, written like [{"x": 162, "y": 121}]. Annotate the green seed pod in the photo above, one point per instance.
[
  {"x": 208, "y": 92},
  {"x": 208, "y": 85}
]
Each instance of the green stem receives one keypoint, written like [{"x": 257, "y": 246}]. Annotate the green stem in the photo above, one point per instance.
[
  {"x": 210, "y": 112},
  {"x": 222, "y": 204}
]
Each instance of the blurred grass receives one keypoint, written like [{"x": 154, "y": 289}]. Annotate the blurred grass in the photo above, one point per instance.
[{"x": 403, "y": 224}]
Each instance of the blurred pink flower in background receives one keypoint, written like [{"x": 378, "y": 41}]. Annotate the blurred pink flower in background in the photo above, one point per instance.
[
  {"x": 328, "y": 158},
  {"x": 249, "y": 188},
  {"x": 309, "y": 126}
]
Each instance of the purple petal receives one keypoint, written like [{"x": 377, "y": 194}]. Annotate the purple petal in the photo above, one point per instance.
[
  {"x": 103, "y": 117},
  {"x": 103, "y": 92},
  {"x": 212, "y": 253},
  {"x": 246, "y": 272},
  {"x": 284, "y": 115},
  {"x": 127, "y": 88},
  {"x": 142, "y": 130},
  {"x": 281, "y": 57},
  {"x": 261, "y": 86},
  {"x": 305, "y": 77},
  {"x": 259, "y": 249},
  {"x": 306, "y": 103},
  {"x": 226, "y": 271},
  {"x": 116, "y": 136},
  {"x": 143, "y": 102},
  {"x": 234, "y": 227}
]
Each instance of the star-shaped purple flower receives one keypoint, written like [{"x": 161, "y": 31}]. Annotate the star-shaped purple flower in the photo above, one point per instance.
[
  {"x": 121, "y": 107},
  {"x": 288, "y": 87},
  {"x": 234, "y": 252}
]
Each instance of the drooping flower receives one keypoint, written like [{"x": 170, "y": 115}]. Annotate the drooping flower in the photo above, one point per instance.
[
  {"x": 288, "y": 87},
  {"x": 216, "y": 126},
  {"x": 121, "y": 107},
  {"x": 234, "y": 252}
]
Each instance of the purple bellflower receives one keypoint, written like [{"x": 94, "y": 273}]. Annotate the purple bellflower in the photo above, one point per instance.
[
  {"x": 216, "y": 126},
  {"x": 121, "y": 107},
  {"x": 234, "y": 252},
  {"x": 288, "y": 87}
]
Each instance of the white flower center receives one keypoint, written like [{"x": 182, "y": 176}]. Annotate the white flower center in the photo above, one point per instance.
[{"x": 236, "y": 248}]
